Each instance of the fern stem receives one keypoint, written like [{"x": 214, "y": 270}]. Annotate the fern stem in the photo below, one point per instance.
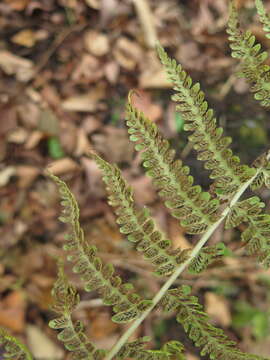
[{"x": 124, "y": 338}]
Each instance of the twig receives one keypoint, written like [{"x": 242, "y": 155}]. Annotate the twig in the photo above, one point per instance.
[
  {"x": 147, "y": 22},
  {"x": 187, "y": 149}
]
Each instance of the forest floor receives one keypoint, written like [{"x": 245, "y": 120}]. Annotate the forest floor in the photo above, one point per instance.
[{"x": 66, "y": 68}]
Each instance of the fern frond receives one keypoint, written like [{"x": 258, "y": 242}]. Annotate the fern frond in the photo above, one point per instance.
[
  {"x": 137, "y": 224},
  {"x": 96, "y": 276},
  {"x": 257, "y": 237},
  {"x": 263, "y": 177},
  {"x": 207, "y": 139},
  {"x": 264, "y": 17},
  {"x": 72, "y": 334},
  {"x": 194, "y": 207},
  {"x": 196, "y": 324},
  {"x": 242, "y": 211},
  {"x": 206, "y": 256},
  {"x": 253, "y": 69},
  {"x": 135, "y": 350},
  {"x": 13, "y": 349}
]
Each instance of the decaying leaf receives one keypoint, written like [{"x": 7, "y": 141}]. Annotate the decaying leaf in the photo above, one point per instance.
[
  {"x": 218, "y": 308},
  {"x": 127, "y": 53},
  {"x": 24, "y": 38},
  {"x": 96, "y": 43},
  {"x": 12, "y": 312},
  {"x": 12, "y": 64},
  {"x": 62, "y": 166},
  {"x": 95, "y": 4},
  {"x": 88, "y": 70},
  {"x": 41, "y": 346},
  {"x": 88, "y": 102},
  {"x": 6, "y": 174}
]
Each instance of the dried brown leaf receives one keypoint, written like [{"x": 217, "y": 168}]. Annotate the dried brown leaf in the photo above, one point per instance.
[
  {"x": 24, "y": 38},
  {"x": 127, "y": 53},
  {"x": 62, "y": 166},
  {"x": 88, "y": 70},
  {"x": 12, "y": 312},
  {"x": 96, "y": 43},
  {"x": 41, "y": 346},
  {"x": 85, "y": 102},
  {"x": 218, "y": 308},
  {"x": 6, "y": 174},
  {"x": 12, "y": 64},
  {"x": 27, "y": 174}
]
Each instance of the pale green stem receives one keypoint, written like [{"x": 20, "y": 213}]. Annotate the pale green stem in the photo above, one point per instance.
[{"x": 124, "y": 338}]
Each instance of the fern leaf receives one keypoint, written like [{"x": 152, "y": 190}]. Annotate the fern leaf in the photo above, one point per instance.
[
  {"x": 195, "y": 208},
  {"x": 96, "y": 276},
  {"x": 196, "y": 324},
  {"x": 13, "y": 349},
  {"x": 263, "y": 177},
  {"x": 264, "y": 18},
  {"x": 136, "y": 350},
  {"x": 257, "y": 237},
  {"x": 207, "y": 138},
  {"x": 72, "y": 334},
  {"x": 253, "y": 69},
  {"x": 139, "y": 227},
  {"x": 206, "y": 256},
  {"x": 243, "y": 210}
]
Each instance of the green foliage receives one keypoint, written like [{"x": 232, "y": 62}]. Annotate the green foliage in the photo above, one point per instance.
[
  {"x": 257, "y": 237},
  {"x": 263, "y": 178},
  {"x": 199, "y": 212},
  {"x": 197, "y": 325},
  {"x": 247, "y": 315},
  {"x": 189, "y": 203},
  {"x": 264, "y": 17},
  {"x": 72, "y": 334},
  {"x": 13, "y": 349},
  {"x": 207, "y": 138},
  {"x": 245, "y": 47},
  {"x": 206, "y": 256},
  {"x": 257, "y": 234},
  {"x": 135, "y": 350},
  {"x": 243, "y": 211},
  {"x": 96, "y": 276},
  {"x": 179, "y": 122},
  {"x": 54, "y": 147},
  {"x": 137, "y": 224}
]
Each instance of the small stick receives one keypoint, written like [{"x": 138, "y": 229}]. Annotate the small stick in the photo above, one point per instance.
[{"x": 147, "y": 22}]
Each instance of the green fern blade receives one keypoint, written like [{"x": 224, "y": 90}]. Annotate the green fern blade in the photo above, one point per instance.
[
  {"x": 170, "y": 177},
  {"x": 243, "y": 210},
  {"x": 264, "y": 17},
  {"x": 139, "y": 227},
  {"x": 263, "y": 177},
  {"x": 71, "y": 334},
  {"x": 206, "y": 256},
  {"x": 135, "y": 350},
  {"x": 207, "y": 139},
  {"x": 245, "y": 48},
  {"x": 92, "y": 271},
  {"x": 195, "y": 321},
  {"x": 257, "y": 237},
  {"x": 12, "y": 348}
]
